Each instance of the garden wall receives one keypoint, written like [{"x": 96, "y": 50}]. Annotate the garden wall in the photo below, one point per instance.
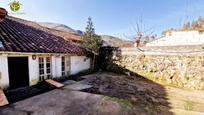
[{"x": 179, "y": 69}]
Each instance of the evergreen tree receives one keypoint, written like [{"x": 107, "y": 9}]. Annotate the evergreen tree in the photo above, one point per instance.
[
  {"x": 91, "y": 41},
  {"x": 90, "y": 27}
]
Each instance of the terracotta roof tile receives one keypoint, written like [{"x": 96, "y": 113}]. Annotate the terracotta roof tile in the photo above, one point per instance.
[
  {"x": 66, "y": 35},
  {"x": 18, "y": 37}
]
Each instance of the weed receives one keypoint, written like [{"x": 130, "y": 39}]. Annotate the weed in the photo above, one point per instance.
[
  {"x": 188, "y": 106},
  {"x": 123, "y": 102}
]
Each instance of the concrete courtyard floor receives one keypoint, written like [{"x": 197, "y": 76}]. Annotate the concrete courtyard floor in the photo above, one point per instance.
[
  {"x": 68, "y": 101},
  {"x": 52, "y": 103},
  {"x": 112, "y": 94},
  {"x": 65, "y": 102}
]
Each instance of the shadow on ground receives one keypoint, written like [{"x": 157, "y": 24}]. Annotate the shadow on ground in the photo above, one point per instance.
[
  {"x": 151, "y": 98},
  {"x": 27, "y": 92}
]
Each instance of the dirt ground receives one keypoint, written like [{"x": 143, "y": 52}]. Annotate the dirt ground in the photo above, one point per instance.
[
  {"x": 111, "y": 94},
  {"x": 145, "y": 96}
]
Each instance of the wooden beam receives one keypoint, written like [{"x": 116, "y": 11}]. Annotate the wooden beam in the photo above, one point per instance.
[{"x": 55, "y": 83}]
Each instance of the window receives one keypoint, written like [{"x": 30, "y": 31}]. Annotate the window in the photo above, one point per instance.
[
  {"x": 41, "y": 68},
  {"x": 48, "y": 67},
  {"x": 63, "y": 66},
  {"x": 44, "y": 68},
  {"x": 67, "y": 67}
]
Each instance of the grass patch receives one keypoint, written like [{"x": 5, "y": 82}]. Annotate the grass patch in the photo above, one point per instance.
[
  {"x": 122, "y": 102},
  {"x": 188, "y": 106}
]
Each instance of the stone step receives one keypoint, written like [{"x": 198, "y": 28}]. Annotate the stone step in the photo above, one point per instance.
[
  {"x": 55, "y": 83},
  {"x": 3, "y": 99}
]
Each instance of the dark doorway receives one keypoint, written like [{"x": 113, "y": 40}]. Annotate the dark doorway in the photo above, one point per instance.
[{"x": 18, "y": 72}]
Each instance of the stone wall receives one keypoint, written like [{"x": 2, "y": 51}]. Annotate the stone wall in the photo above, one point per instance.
[{"x": 181, "y": 70}]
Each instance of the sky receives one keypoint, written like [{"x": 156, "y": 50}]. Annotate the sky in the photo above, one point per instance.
[{"x": 111, "y": 17}]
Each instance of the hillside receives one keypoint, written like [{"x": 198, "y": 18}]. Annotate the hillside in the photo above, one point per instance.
[
  {"x": 61, "y": 27},
  {"x": 114, "y": 41},
  {"x": 107, "y": 40}
]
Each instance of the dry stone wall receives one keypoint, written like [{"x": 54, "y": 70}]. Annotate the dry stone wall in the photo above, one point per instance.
[{"x": 182, "y": 70}]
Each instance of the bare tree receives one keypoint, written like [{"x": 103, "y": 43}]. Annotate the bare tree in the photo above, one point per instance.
[{"x": 143, "y": 34}]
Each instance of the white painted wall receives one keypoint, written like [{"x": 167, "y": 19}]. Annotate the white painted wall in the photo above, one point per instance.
[
  {"x": 4, "y": 75},
  {"x": 79, "y": 63},
  {"x": 53, "y": 64},
  {"x": 73, "y": 65},
  {"x": 58, "y": 66},
  {"x": 33, "y": 70},
  {"x": 67, "y": 65},
  {"x": 179, "y": 38}
]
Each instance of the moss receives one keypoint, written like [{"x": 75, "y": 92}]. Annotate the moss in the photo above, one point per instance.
[
  {"x": 160, "y": 79},
  {"x": 188, "y": 106},
  {"x": 151, "y": 76},
  {"x": 122, "y": 102}
]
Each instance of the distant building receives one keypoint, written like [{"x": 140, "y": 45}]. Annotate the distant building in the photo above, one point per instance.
[
  {"x": 180, "y": 38},
  {"x": 29, "y": 55}
]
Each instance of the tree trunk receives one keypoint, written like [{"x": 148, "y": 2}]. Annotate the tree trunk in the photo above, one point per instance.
[{"x": 93, "y": 63}]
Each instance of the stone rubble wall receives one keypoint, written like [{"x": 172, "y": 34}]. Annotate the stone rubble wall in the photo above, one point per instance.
[{"x": 180, "y": 70}]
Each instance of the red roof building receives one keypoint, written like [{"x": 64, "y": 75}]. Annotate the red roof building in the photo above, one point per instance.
[{"x": 30, "y": 53}]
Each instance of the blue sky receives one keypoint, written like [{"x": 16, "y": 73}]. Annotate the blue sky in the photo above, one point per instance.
[{"x": 112, "y": 17}]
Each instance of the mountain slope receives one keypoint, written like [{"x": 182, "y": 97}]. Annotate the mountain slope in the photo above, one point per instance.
[
  {"x": 64, "y": 30},
  {"x": 61, "y": 27},
  {"x": 115, "y": 42}
]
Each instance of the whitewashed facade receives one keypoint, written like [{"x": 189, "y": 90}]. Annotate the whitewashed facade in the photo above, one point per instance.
[
  {"x": 29, "y": 53},
  {"x": 180, "y": 38},
  {"x": 73, "y": 65},
  {"x": 79, "y": 63}
]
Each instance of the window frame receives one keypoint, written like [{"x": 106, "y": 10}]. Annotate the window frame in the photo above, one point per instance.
[
  {"x": 41, "y": 68},
  {"x": 44, "y": 68},
  {"x": 48, "y": 60}
]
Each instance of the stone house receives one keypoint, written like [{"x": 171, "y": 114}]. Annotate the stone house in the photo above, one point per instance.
[{"x": 29, "y": 55}]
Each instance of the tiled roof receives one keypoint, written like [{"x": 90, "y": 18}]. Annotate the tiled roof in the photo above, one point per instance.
[
  {"x": 15, "y": 36},
  {"x": 66, "y": 35}
]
